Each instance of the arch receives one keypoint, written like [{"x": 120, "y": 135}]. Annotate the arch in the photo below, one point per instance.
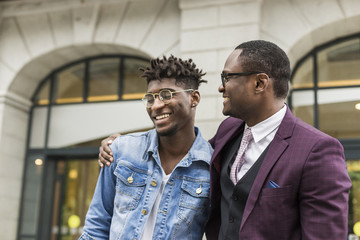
[
  {"x": 322, "y": 35},
  {"x": 28, "y": 78}
]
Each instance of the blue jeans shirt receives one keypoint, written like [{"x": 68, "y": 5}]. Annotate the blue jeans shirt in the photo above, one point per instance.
[{"x": 126, "y": 191}]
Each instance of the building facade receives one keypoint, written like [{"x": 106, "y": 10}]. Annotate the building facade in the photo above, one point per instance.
[{"x": 68, "y": 78}]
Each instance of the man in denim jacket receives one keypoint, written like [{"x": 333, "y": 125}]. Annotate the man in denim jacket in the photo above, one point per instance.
[{"x": 158, "y": 186}]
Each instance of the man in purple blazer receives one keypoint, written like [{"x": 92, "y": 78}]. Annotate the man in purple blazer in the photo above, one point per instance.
[{"x": 291, "y": 182}]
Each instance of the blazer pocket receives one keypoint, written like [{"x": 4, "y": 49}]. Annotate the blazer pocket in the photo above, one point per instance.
[{"x": 276, "y": 192}]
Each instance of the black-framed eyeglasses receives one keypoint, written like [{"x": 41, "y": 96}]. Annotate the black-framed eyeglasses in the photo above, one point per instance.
[
  {"x": 165, "y": 96},
  {"x": 225, "y": 77}
]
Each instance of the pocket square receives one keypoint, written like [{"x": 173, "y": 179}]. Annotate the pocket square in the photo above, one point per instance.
[{"x": 272, "y": 184}]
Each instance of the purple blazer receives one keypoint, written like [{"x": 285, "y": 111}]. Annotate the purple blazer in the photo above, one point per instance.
[{"x": 311, "y": 201}]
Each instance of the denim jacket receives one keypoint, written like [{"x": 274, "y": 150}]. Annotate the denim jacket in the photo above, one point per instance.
[{"x": 126, "y": 191}]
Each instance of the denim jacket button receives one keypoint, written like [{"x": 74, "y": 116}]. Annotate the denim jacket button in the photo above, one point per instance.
[
  {"x": 144, "y": 212},
  {"x": 153, "y": 183},
  {"x": 130, "y": 179}
]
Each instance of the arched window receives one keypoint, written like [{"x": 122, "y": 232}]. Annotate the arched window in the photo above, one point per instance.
[
  {"x": 326, "y": 88},
  {"x": 97, "y": 79},
  {"x": 326, "y": 94}
]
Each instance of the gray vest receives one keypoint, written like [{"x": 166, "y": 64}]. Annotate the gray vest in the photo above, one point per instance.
[{"x": 234, "y": 198}]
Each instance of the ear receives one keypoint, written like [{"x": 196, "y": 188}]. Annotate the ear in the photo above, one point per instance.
[
  {"x": 195, "y": 98},
  {"x": 262, "y": 82}
]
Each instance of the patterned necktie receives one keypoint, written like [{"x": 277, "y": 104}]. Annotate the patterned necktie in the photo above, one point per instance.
[{"x": 240, "y": 157}]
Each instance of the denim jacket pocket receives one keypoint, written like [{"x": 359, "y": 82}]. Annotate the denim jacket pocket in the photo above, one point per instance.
[
  {"x": 194, "y": 200},
  {"x": 130, "y": 185}
]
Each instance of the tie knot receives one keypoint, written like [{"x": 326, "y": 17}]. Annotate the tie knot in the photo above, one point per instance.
[{"x": 247, "y": 136}]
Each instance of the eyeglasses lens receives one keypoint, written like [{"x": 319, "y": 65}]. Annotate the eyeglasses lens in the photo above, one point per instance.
[{"x": 165, "y": 95}]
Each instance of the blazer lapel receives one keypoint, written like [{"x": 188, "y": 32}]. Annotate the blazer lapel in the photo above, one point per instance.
[
  {"x": 222, "y": 141},
  {"x": 276, "y": 148}
]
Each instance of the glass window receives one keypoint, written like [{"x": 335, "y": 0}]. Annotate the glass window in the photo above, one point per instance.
[
  {"x": 69, "y": 84},
  {"x": 32, "y": 195},
  {"x": 338, "y": 115},
  {"x": 353, "y": 167},
  {"x": 134, "y": 87},
  {"x": 38, "y": 127},
  {"x": 336, "y": 99},
  {"x": 338, "y": 65},
  {"x": 303, "y": 105},
  {"x": 42, "y": 98},
  {"x": 104, "y": 79},
  {"x": 303, "y": 77},
  {"x": 73, "y": 190},
  {"x": 99, "y": 79}
]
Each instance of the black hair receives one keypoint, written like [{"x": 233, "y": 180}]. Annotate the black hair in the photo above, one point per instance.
[
  {"x": 267, "y": 57},
  {"x": 184, "y": 71}
]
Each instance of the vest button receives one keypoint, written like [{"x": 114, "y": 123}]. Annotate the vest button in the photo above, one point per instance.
[
  {"x": 235, "y": 198},
  {"x": 231, "y": 219}
]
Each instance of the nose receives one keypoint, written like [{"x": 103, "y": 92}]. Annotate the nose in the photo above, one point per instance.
[
  {"x": 157, "y": 104},
  {"x": 221, "y": 88}
]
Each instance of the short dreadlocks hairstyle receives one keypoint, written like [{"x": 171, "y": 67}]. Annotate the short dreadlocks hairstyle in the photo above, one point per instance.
[{"x": 184, "y": 71}]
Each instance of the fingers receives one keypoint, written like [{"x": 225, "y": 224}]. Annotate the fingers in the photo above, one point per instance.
[
  {"x": 105, "y": 157},
  {"x": 105, "y": 153},
  {"x": 99, "y": 162}
]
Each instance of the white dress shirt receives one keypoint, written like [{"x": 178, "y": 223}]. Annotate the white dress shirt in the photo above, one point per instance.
[{"x": 263, "y": 133}]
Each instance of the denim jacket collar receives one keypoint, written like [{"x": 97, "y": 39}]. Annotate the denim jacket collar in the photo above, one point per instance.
[{"x": 199, "y": 150}]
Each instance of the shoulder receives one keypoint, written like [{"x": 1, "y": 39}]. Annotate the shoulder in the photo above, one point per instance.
[
  {"x": 133, "y": 138},
  {"x": 133, "y": 144},
  {"x": 304, "y": 129},
  {"x": 298, "y": 130},
  {"x": 228, "y": 124},
  {"x": 201, "y": 147}
]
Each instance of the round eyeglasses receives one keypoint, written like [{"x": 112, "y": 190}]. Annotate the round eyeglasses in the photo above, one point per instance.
[{"x": 165, "y": 96}]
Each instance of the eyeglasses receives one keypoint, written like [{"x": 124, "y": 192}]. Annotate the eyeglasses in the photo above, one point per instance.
[
  {"x": 165, "y": 96},
  {"x": 225, "y": 77}
]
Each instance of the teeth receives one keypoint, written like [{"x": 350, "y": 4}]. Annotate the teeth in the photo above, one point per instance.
[{"x": 162, "y": 116}]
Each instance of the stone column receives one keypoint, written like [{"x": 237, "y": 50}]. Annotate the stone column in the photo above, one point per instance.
[
  {"x": 13, "y": 132},
  {"x": 210, "y": 30}
]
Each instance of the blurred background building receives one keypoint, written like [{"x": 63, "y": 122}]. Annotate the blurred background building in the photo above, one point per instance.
[{"x": 69, "y": 78}]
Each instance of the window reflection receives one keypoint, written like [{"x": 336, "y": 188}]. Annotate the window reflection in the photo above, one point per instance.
[
  {"x": 42, "y": 98},
  {"x": 134, "y": 87},
  {"x": 303, "y": 77},
  {"x": 69, "y": 84},
  {"x": 107, "y": 78},
  {"x": 73, "y": 191},
  {"x": 104, "y": 79},
  {"x": 339, "y": 64},
  {"x": 32, "y": 196},
  {"x": 303, "y": 105},
  {"x": 338, "y": 116},
  {"x": 354, "y": 198}
]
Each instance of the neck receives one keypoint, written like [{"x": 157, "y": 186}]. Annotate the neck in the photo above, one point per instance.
[
  {"x": 265, "y": 112},
  {"x": 173, "y": 148}
]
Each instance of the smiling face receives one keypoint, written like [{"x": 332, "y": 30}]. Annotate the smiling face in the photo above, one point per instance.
[
  {"x": 239, "y": 91},
  {"x": 175, "y": 116}
]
